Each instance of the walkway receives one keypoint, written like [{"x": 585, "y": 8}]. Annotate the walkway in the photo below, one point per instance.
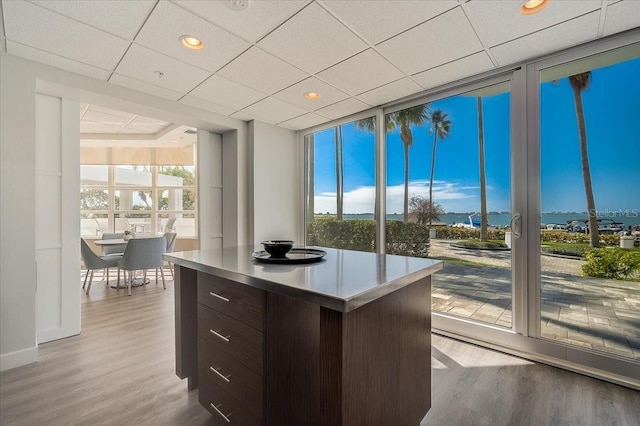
[{"x": 594, "y": 313}]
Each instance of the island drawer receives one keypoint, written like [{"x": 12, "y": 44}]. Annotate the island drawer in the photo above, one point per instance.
[
  {"x": 232, "y": 337},
  {"x": 239, "y": 301},
  {"x": 234, "y": 378},
  {"x": 224, "y": 408}
]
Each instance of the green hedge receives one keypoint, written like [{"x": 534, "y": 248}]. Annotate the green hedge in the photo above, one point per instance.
[
  {"x": 578, "y": 237},
  {"x": 615, "y": 263},
  {"x": 409, "y": 239},
  {"x": 451, "y": 233}
]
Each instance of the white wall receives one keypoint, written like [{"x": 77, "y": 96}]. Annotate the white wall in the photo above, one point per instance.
[
  {"x": 277, "y": 176},
  {"x": 17, "y": 215},
  {"x": 210, "y": 190},
  {"x": 56, "y": 204},
  {"x": 20, "y": 80}
]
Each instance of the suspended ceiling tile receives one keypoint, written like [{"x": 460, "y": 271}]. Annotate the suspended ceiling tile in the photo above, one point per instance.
[
  {"x": 259, "y": 18},
  {"x": 226, "y": 92},
  {"x": 110, "y": 111},
  {"x": 273, "y": 110},
  {"x": 141, "y": 86},
  {"x": 34, "y": 26},
  {"x": 119, "y": 17},
  {"x": 100, "y": 117},
  {"x": 295, "y": 94},
  {"x": 362, "y": 72},
  {"x": 377, "y": 21},
  {"x": 440, "y": 40},
  {"x": 130, "y": 131},
  {"x": 56, "y": 61},
  {"x": 312, "y": 40},
  {"x": 149, "y": 120},
  {"x": 390, "y": 92},
  {"x": 168, "y": 23},
  {"x": 342, "y": 109},
  {"x": 465, "y": 67},
  {"x": 622, "y": 16},
  {"x": 569, "y": 34},
  {"x": 143, "y": 64},
  {"x": 261, "y": 71},
  {"x": 498, "y": 21},
  {"x": 143, "y": 126},
  {"x": 93, "y": 127},
  {"x": 206, "y": 105},
  {"x": 304, "y": 121}
]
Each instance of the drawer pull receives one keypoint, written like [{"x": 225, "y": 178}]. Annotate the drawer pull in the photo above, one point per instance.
[
  {"x": 218, "y": 296},
  {"x": 222, "y": 376},
  {"x": 220, "y": 412},
  {"x": 225, "y": 338}
]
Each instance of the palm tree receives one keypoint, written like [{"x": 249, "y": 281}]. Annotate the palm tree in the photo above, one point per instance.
[
  {"x": 403, "y": 120},
  {"x": 368, "y": 125},
  {"x": 483, "y": 185},
  {"x": 310, "y": 176},
  {"x": 339, "y": 173},
  {"x": 441, "y": 127},
  {"x": 579, "y": 83}
]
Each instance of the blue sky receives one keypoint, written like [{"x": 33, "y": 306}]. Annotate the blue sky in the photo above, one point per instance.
[{"x": 611, "y": 104}]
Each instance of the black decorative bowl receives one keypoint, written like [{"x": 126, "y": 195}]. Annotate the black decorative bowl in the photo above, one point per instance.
[{"x": 277, "y": 248}]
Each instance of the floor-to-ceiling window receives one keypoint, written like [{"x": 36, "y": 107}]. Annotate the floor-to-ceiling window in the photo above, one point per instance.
[
  {"x": 150, "y": 197},
  {"x": 448, "y": 197},
  {"x": 341, "y": 186},
  {"x": 590, "y": 203},
  {"x": 491, "y": 177}
]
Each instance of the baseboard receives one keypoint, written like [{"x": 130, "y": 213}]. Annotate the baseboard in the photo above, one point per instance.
[{"x": 18, "y": 358}]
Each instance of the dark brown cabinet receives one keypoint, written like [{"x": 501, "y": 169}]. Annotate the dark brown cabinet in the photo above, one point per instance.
[
  {"x": 262, "y": 353},
  {"x": 230, "y": 350}
]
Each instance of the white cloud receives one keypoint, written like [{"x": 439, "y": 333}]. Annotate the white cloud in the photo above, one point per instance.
[{"x": 450, "y": 195}]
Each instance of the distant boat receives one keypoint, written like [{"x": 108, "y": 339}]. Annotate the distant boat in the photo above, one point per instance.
[
  {"x": 474, "y": 223},
  {"x": 605, "y": 226}
]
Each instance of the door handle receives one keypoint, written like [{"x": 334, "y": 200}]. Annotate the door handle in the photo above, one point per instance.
[{"x": 515, "y": 224}]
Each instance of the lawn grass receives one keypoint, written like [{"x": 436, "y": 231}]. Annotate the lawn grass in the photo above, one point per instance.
[
  {"x": 477, "y": 244},
  {"x": 576, "y": 250},
  {"x": 465, "y": 262}
]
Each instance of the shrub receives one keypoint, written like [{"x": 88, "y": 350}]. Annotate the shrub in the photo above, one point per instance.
[
  {"x": 451, "y": 233},
  {"x": 615, "y": 263},
  {"x": 578, "y": 237},
  {"x": 409, "y": 239},
  {"x": 346, "y": 234},
  {"x": 569, "y": 249},
  {"x": 482, "y": 244}
]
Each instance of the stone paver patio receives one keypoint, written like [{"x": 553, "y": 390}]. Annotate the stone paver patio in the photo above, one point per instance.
[{"x": 595, "y": 313}]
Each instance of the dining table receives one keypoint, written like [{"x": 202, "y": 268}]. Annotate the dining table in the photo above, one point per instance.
[{"x": 111, "y": 242}]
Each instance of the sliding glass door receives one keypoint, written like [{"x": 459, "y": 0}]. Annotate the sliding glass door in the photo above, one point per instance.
[
  {"x": 526, "y": 184},
  {"x": 448, "y": 197},
  {"x": 590, "y": 203}
]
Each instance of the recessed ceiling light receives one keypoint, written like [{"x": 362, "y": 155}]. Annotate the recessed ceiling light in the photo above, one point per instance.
[
  {"x": 191, "y": 42},
  {"x": 530, "y": 7},
  {"x": 312, "y": 96}
]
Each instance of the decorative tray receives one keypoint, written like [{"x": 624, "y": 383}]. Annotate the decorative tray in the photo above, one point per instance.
[{"x": 295, "y": 256}]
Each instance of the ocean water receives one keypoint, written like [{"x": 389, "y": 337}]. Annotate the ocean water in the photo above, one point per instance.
[{"x": 628, "y": 218}]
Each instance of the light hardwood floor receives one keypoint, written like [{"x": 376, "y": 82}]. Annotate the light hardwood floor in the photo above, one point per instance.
[{"x": 120, "y": 371}]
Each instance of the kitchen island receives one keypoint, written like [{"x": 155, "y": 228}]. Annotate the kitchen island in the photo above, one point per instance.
[{"x": 345, "y": 341}]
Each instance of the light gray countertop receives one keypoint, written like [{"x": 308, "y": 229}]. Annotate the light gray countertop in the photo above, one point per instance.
[{"x": 344, "y": 280}]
